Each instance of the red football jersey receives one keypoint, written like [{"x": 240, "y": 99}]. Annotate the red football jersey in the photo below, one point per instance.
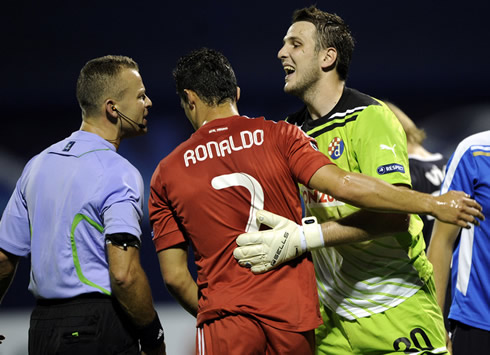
[{"x": 206, "y": 193}]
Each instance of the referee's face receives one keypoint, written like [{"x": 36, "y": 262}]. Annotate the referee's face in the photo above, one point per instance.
[{"x": 134, "y": 103}]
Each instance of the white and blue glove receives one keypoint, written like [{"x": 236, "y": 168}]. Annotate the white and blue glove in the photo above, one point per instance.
[{"x": 264, "y": 250}]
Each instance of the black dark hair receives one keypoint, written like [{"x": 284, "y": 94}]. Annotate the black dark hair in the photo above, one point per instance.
[
  {"x": 209, "y": 74},
  {"x": 331, "y": 32}
]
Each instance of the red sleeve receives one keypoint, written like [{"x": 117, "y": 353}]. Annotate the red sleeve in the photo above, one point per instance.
[
  {"x": 302, "y": 153},
  {"x": 166, "y": 232}
]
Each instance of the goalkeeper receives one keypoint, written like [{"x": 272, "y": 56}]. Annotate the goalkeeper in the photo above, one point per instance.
[
  {"x": 377, "y": 296},
  {"x": 363, "y": 285}
]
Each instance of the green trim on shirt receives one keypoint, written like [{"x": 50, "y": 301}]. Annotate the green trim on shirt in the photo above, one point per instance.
[{"x": 78, "y": 218}]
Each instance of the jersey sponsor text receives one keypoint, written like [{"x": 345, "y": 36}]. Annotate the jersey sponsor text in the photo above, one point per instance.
[{"x": 313, "y": 198}]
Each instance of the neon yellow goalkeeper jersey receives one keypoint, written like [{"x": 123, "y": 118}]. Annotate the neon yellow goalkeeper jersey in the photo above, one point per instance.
[{"x": 357, "y": 280}]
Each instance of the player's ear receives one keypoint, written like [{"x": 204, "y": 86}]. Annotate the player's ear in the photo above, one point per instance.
[
  {"x": 328, "y": 58},
  {"x": 237, "y": 93},
  {"x": 191, "y": 97}
]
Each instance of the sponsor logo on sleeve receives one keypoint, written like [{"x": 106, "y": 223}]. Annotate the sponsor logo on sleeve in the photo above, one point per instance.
[
  {"x": 336, "y": 148},
  {"x": 390, "y": 168}
]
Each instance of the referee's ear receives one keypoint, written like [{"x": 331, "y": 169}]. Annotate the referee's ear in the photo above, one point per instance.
[{"x": 111, "y": 112}]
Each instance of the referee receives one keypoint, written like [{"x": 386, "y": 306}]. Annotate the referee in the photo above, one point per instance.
[{"x": 76, "y": 210}]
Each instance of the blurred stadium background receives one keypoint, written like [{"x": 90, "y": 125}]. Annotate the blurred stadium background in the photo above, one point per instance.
[{"x": 430, "y": 58}]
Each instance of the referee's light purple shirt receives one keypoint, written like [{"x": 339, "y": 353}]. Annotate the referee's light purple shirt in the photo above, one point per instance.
[{"x": 67, "y": 199}]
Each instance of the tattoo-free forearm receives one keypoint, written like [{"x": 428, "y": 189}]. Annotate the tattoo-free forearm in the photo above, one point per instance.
[
  {"x": 375, "y": 194},
  {"x": 440, "y": 254},
  {"x": 186, "y": 293},
  {"x": 363, "y": 225},
  {"x": 368, "y": 192},
  {"x": 178, "y": 279},
  {"x": 130, "y": 285}
]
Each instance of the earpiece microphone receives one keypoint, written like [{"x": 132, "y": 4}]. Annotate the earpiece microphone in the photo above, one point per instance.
[{"x": 120, "y": 114}]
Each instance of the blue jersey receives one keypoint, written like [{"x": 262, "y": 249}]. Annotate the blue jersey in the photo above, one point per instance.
[
  {"x": 468, "y": 170},
  {"x": 67, "y": 199}
]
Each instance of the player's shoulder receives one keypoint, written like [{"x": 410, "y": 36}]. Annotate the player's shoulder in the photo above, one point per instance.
[
  {"x": 477, "y": 139},
  {"x": 280, "y": 129},
  {"x": 356, "y": 98},
  {"x": 283, "y": 130},
  {"x": 356, "y": 106},
  {"x": 263, "y": 121},
  {"x": 116, "y": 168},
  {"x": 371, "y": 111},
  {"x": 258, "y": 122},
  {"x": 245, "y": 123},
  {"x": 298, "y": 117},
  {"x": 477, "y": 144},
  {"x": 367, "y": 106},
  {"x": 462, "y": 161}
]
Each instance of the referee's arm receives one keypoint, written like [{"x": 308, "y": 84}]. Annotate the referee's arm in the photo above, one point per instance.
[
  {"x": 8, "y": 266},
  {"x": 131, "y": 288},
  {"x": 129, "y": 284}
]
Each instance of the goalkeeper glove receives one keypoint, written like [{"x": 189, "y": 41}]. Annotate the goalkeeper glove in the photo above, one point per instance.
[{"x": 264, "y": 250}]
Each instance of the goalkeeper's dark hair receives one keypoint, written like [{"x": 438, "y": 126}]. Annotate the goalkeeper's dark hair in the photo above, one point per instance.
[
  {"x": 331, "y": 32},
  {"x": 98, "y": 80},
  {"x": 209, "y": 74}
]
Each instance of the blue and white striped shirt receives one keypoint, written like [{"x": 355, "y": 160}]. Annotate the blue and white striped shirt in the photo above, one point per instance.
[{"x": 468, "y": 170}]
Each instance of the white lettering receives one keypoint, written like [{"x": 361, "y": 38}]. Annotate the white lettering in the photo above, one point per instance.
[
  {"x": 258, "y": 137},
  {"x": 204, "y": 153},
  {"x": 211, "y": 144},
  {"x": 232, "y": 144},
  {"x": 435, "y": 175},
  {"x": 244, "y": 135},
  {"x": 224, "y": 147},
  {"x": 189, "y": 155}
]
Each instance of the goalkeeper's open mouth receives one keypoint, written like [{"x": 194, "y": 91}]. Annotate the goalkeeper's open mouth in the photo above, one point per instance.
[{"x": 289, "y": 70}]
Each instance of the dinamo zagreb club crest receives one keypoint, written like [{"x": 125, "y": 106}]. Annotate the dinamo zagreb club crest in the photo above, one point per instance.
[{"x": 336, "y": 148}]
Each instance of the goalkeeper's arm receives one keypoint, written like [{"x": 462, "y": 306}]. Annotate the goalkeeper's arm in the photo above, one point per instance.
[{"x": 265, "y": 250}]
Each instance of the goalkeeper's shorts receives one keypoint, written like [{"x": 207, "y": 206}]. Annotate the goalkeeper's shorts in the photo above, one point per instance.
[{"x": 414, "y": 326}]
